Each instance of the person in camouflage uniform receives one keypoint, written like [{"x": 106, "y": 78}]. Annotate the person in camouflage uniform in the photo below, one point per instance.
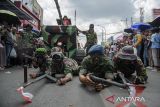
[
  {"x": 62, "y": 67},
  {"x": 127, "y": 62},
  {"x": 25, "y": 43},
  {"x": 98, "y": 64},
  {"x": 27, "y": 37},
  {"x": 40, "y": 61},
  {"x": 91, "y": 37}
]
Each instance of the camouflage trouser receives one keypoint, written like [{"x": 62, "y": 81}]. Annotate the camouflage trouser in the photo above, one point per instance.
[{"x": 42, "y": 69}]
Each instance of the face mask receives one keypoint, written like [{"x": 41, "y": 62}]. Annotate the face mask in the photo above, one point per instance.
[{"x": 57, "y": 58}]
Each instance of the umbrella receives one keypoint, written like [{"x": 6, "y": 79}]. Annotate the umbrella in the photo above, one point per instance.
[
  {"x": 118, "y": 37},
  {"x": 141, "y": 26},
  {"x": 128, "y": 30},
  {"x": 9, "y": 17}
]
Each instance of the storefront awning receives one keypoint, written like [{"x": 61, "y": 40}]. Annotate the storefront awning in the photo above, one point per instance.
[
  {"x": 8, "y": 5},
  {"x": 156, "y": 22}
]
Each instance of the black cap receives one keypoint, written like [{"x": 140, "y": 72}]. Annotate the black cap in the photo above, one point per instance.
[{"x": 91, "y": 25}]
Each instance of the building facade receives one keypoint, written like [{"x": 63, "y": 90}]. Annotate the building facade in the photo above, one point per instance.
[{"x": 33, "y": 9}]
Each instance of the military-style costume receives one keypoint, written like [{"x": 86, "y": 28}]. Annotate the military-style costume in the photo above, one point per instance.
[
  {"x": 25, "y": 44},
  {"x": 91, "y": 37},
  {"x": 96, "y": 64},
  {"x": 63, "y": 65},
  {"x": 40, "y": 61},
  {"x": 27, "y": 40},
  {"x": 126, "y": 62},
  {"x": 102, "y": 68}
]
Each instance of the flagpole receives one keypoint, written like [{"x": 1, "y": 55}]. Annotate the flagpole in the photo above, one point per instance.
[{"x": 75, "y": 16}]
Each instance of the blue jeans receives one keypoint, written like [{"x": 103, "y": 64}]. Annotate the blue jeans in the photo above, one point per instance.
[
  {"x": 139, "y": 50},
  {"x": 8, "y": 51},
  {"x": 145, "y": 56}
]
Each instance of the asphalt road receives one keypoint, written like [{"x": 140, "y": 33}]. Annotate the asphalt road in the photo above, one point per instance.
[{"x": 73, "y": 94}]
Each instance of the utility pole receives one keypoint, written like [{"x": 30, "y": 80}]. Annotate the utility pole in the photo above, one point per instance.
[
  {"x": 102, "y": 36},
  {"x": 141, "y": 4},
  {"x": 141, "y": 14},
  {"x": 103, "y": 32},
  {"x": 126, "y": 22},
  {"x": 75, "y": 16},
  {"x": 131, "y": 20}
]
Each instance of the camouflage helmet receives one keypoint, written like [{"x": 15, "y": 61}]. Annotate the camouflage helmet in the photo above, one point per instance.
[
  {"x": 96, "y": 49},
  {"x": 41, "y": 51},
  {"x": 127, "y": 53},
  {"x": 55, "y": 49}
]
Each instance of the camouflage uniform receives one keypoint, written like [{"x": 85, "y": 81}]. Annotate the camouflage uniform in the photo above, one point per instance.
[
  {"x": 97, "y": 64},
  {"x": 129, "y": 63},
  {"x": 91, "y": 37},
  {"x": 91, "y": 40},
  {"x": 27, "y": 40},
  {"x": 26, "y": 46},
  {"x": 103, "y": 69},
  {"x": 67, "y": 66},
  {"x": 40, "y": 61}
]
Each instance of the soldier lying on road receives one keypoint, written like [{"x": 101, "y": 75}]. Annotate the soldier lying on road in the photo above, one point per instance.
[
  {"x": 97, "y": 64},
  {"x": 61, "y": 67},
  {"x": 127, "y": 62},
  {"x": 40, "y": 61}
]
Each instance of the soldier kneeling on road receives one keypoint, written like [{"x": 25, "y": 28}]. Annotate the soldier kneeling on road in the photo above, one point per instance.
[
  {"x": 127, "y": 63},
  {"x": 98, "y": 64},
  {"x": 63, "y": 68}
]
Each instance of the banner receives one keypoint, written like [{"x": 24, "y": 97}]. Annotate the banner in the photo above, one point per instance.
[{"x": 156, "y": 13}]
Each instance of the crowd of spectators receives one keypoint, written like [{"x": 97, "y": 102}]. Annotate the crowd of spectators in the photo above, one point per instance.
[
  {"x": 12, "y": 41},
  {"x": 8, "y": 41},
  {"x": 146, "y": 44}
]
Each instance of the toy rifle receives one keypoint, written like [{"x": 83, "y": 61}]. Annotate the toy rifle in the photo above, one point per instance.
[
  {"x": 106, "y": 82},
  {"x": 130, "y": 87},
  {"x": 46, "y": 75}
]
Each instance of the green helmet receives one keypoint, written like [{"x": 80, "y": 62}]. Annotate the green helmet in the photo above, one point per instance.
[{"x": 41, "y": 51}]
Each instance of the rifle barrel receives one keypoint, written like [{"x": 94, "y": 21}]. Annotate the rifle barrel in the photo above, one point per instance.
[{"x": 106, "y": 82}]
